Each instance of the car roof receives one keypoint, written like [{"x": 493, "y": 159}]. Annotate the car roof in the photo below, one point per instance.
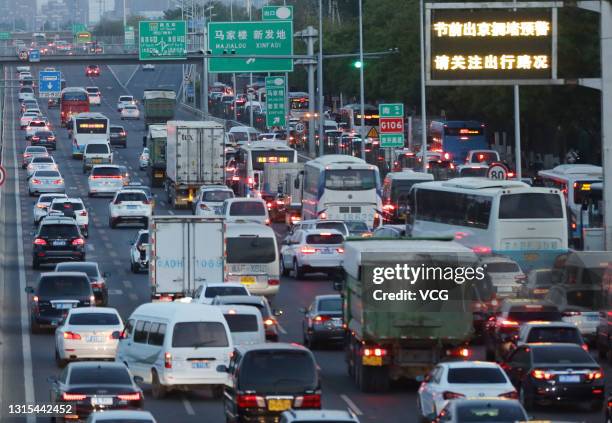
[
  {"x": 58, "y": 220},
  {"x": 106, "y": 166},
  {"x": 497, "y": 259},
  {"x": 131, "y": 191},
  {"x": 319, "y": 221},
  {"x": 96, "y": 364},
  {"x": 123, "y": 414},
  {"x": 535, "y": 324},
  {"x": 244, "y": 299},
  {"x": 322, "y": 415},
  {"x": 469, "y": 364},
  {"x": 282, "y": 346},
  {"x": 244, "y": 199},
  {"x": 222, "y": 284},
  {"x": 237, "y": 229},
  {"x": 81, "y": 310},
  {"x": 46, "y": 274},
  {"x": 321, "y": 231},
  {"x": 239, "y": 309},
  {"x": 538, "y": 345},
  {"x": 327, "y": 297},
  {"x": 69, "y": 200},
  {"x": 78, "y": 263}
]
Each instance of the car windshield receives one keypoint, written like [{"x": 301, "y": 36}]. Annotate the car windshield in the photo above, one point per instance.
[
  {"x": 475, "y": 375},
  {"x": 350, "y": 179},
  {"x": 241, "y": 322},
  {"x": 99, "y": 375},
  {"x": 217, "y": 196},
  {"x": 213, "y": 291},
  {"x": 530, "y": 206},
  {"x": 562, "y": 354},
  {"x": 199, "y": 335},
  {"x": 46, "y": 174},
  {"x": 130, "y": 108},
  {"x": 277, "y": 371},
  {"x": 330, "y": 305},
  {"x": 247, "y": 208},
  {"x": 47, "y": 198},
  {"x": 552, "y": 334},
  {"x": 59, "y": 231},
  {"x": 89, "y": 268},
  {"x": 106, "y": 171},
  {"x": 43, "y": 134},
  {"x": 92, "y": 90},
  {"x": 498, "y": 413},
  {"x": 546, "y": 314},
  {"x": 42, "y": 160},
  {"x": 502, "y": 267},
  {"x": 61, "y": 285},
  {"x": 61, "y": 205},
  {"x": 37, "y": 123},
  {"x": 94, "y": 319},
  {"x": 116, "y": 129},
  {"x": 36, "y": 150},
  {"x": 250, "y": 249},
  {"x": 97, "y": 148},
  {"x": 132, "y": 196},
  {"x": 125, "y": 98},
  {"x": 324, "y": 238}
]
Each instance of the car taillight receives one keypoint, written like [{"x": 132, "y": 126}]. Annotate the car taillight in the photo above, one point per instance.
[
  {"x": 117, "y": 202},
  {"x": 168, "y": 360},
  {"x": 267, "y": 221},
  {"x": 72, "y": 335},
  {"x": 481, "y": 249},
  {"x": 323, "y": 215},
  {"x": 98, "y": 285},
  {"x": 541, "y": 374},
  {"x": 308, "y": 250},
  {"x": 595, "y": 375},
  {"x": 73, "y": 397},
  {"x": 35, "y": 138},
  {"x": 123, "y": 134},
  {"x": 448, "y": 395},
  {"x": 250, "y": 401},
  {"x": 36, "y": 181},
  {"x": 389, "y": 207},
  {"x": 308, "y": 401},
  {"x": 58, "y": 182},
  {"x": 204, "y": 206},
  {"x": 340, "y": 250},
  {"x": 269, "y": 322},
  {"x": 321, "y": 319},
  {"x": 509, "y": 323},
  {"x": 40, "y": 241},
  {"x": 585, "y": 347},
  {"x": 509, "y": 395},
  {"x": 374, "y": 352},
  {"x": 78, "y": 241},
  {"x": 273, "y": 282},
  {"x": 129, "y": 397},
  {"x": 83, "y": 213},
  {"x": 115, "y": 335},
  {"x": 146, "y": 202},
  {"x": 41, "y": 206},
  {"x": 571, "y": 313}
]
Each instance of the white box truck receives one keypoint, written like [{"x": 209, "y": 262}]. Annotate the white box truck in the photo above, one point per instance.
[
  {"x": 185, "y": 252},
  {"x": 195, "y": 156}
]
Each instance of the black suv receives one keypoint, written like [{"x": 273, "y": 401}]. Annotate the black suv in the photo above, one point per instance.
[
  {"x": 268, "y": 379},
  {"x": 55, "y": 294},
  {"x": 118, "y": 135},
  {"x": 57, "y": 239}
]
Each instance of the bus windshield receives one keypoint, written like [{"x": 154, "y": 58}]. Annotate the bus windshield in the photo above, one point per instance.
[
  {"x": 259, "y": 158},
  {"x": 300, "y": 103},
  {"x": 530, "y": 206},
  {"x": 350, "y": 179},
  {"x": 463, "y": 132},
  {"x": 75, "y": 96},
  {"x": 92, "y": 126}
]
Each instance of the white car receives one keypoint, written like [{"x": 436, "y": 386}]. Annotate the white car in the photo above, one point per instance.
[
  {"x": 139, "y": 252},
  {"x": 129, "y": 205},
  {"x": 246, "y": 209},
  {"x": 125, "y": 100},
  {"x": 579, "y": 305},
  {"x": 75, "y": 208},
  {"x": 88, "y": 333},
  {"x": 148, "y": 67},
  {"x": 143, "y": 159},
  {"x": 506, "y": 275},
  {"x": 207, "y": 292},
  {"x": 113, "y": 416},
  {"x": 210, "y": 198},
  {"x": 40, "y": 163},
  {"x": 41, "y": 206},
  {"x": 130, "y": 112},
  {"x": 462, "y": 379},
  {"x": 26, "y": 93},
  {"x": 46, "y": 181},
  {"x": 25, "y": 119},
  {"x": 312, "y": 250},
  {"x": 95, "y": 97},
  {"x": 33, "y": 151},
  {"x": 104, "y": 179},
  {"x": 36, "y": 124}
]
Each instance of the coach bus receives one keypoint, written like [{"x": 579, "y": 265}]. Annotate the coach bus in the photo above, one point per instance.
[
  {"x": 73, "y": 100},
  {"x": 338, "y": 186},
  {"x": 492, "y": 216},
  {"x": 457, "y": 137},
  {"x": 350, "y": 118},
  {"x": 88, "y": 127}
]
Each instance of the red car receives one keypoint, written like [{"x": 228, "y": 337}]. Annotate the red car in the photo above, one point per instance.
[{"x": 92, "y": 70}]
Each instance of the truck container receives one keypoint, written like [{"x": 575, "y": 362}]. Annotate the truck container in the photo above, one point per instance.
[
  {"x": 184, "y": 252},
  {"x": 273, "y": 186},
  {"x": 391, "y": 340},
  {"x": 158, "y": 106},
  {"x": 155, "y": 141},
  {"x": 195, "y": 156}
]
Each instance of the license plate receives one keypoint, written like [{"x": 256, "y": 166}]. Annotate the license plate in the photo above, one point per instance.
[
  {"x": 279, "y": 404},
  {"x": 102, "y": 401},
  {"x": 96, "y": 161},
  {"x": 569, "y": 378},
  {"x": 593, "y": 318},
  {"x": 132, "y": 207},
  {"x": 326, "y": 251},
  {"x": 371, "y": 360},
  {"x": 336, "y": 323},
  {"x": 95, "y": 339},
  {"x": 158, "y": 174},
  {"x": 247, "y": 280},
  {"x": 199, "y": 364},
  {"x": 62, "y": 306},
  {"x": 504, "y": 289},
  {"x": 59, "y": 243}
]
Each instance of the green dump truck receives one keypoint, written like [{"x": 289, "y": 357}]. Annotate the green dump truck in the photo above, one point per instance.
[
  {"x": 155, "y": 140},
  {"x": 159, "y": 106},
  {"x": 391, "y": 338}
]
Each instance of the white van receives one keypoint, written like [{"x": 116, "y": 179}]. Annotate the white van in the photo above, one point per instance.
[
  {"x": 245, "y": 324},
  {"x": 176, "y": 346},
  {"x": 245, "y": 209},
  {"x": 252, "y": 257},
  {"x": 97, "y": 152}
]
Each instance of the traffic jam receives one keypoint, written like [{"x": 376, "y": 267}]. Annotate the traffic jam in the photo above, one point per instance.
[{"x": 226, "y": 222}]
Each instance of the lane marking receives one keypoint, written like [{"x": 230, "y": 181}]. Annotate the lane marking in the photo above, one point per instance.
[
  {"x": 131, "y": 76},
  {"x": 132, "y": 296},
  {"x": 170, "y": 211},
  {"x": 188, "y": 407},
  {"x": 91, "y": 247},
  {"x": 282, "y": 329},
  {"x": 351, "y": 405},
  {"x": 117, "y": 262},
  {"x": 128, "y": 284},
  {"x": 112, "y": 253},
  {"x": 115, "y": 292}
]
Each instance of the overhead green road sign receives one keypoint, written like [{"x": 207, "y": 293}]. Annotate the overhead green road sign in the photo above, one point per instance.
[
  {"x": 76, "y": 28},
  {"x": 275, "y": 101},
  {"x": 129, "y": 36},
  {"x": 277, "y": 13},
  {"x": 5, "y": 35},
  {"x": 391, "y": 123},
  {"x": 246, "y": 38},
  {"x": 162, "y": 40}
]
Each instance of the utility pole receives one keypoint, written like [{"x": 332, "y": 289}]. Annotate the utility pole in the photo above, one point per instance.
[
  {"x": 423, "y": 101},
  {"x": 309, "y": 35},
  {"x": 361, "y": 83},
  {"x": 320, "y": 82}
]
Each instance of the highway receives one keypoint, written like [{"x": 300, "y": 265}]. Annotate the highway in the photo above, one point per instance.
[{"x": 27, "y": 360}]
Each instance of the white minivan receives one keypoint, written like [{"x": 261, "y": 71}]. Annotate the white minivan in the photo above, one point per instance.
[
  {"x": 176, "y": 346},
  {"x": 251, "y": 257},
  {"x": 95, "y": 153},
  {"x": 245, "y": 324}
]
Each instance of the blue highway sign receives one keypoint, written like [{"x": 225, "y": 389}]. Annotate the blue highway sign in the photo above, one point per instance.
[
  {"x": 34, "y": 56},
  {"x": 49, "y": 83}
]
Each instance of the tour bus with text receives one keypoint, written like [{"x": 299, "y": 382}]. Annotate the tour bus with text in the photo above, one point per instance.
[
  {"x": 88, "y": 127},
  {"x": 73, "y": 100},
  {"x": 457, "y": 137}
]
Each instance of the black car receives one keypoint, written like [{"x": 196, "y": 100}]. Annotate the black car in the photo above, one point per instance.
[
  {"x": 54, "y": 295},
  {"x": 95, "y": 386},
  {"x": 97, "y": 279},
  {"x": 268, "y": 379},
  {"x": 502, "y": 329},
  {"x": 323, "y": 321},
  {"x": 45, "y": 139},
  {"x": 555, "y": 373},
  {"x": 52, "y": 102},
  {"x": 57, "y": 239},
  {"x": 92, "y": 70},
  {"x": 118, "y": 135}
]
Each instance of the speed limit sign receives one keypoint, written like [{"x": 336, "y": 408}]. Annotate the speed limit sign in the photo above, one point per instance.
[
  {"x": 300, "y": 127},
  {"x": 2, "y": 175},
  {"x": 497, "y": 171}
]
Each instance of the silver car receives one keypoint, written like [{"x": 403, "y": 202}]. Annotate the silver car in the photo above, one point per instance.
[
  {"x": 41, "y": 163},
  {"x": 33, "y": 151},
  {"x": 104, "y": 179},
  {"x": 44, "y": 181},
  {"x": 41, "y": 206}
]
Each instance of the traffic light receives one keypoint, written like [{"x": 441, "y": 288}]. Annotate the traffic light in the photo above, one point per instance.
[{"x": 357, "y": 64}]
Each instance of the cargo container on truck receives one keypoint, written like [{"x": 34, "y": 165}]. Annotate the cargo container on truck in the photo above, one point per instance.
[
  {"x": 185, "y": 252},
  {"x": 155, "y": 141},
  {"x": 159, "y": 106},
  {"x": 195, "y": 156},
  {"x": 273, "y": 186}
]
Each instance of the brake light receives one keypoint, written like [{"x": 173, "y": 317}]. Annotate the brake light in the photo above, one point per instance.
[
  {"x": 41, "y": 206},
  {"x": 541, "y": 374},
  {"x": 35, "y": 138},
  {"x": 376, "y": 352},
  {"x": 340, "y": 250},
  {"x": 250, "y": 401},
  {"x": 36, "y": 181},
  {"x": 168, "y": 360},
  {"x": 83, "y": 213},
  {"x": 98, "y": 285},
  {"x": 72, "y": 335},
  {"x": 464, "y": 352},
  {"x": 509, "y": 323},
  {"x": 117, "y": 202},
  {"x": 78, "y": 241},
  {"x": 269, "y": 205},
  {"x": 595, "y": 375},
  {"x": 269, "y": 322},
  {"x": 323, "y": 215},
  {"x": 308, "y": 401},
  {"x": 509, "y": 395},
  {"x": 267, "y": 221},
  {"x": 40, "y": 241},
  {"x": 58, "y": 182},
  {"x": 571, "y": 313},
  {"x": 448, "y": 395},
  {"x": 146, "y": 202},
  {"x": 321, "y": 319},
  {"x": 122, "y": 134},
  {"x": 481, "y": 249},
  {"x": 73, "y": 397},
  {"x": 585, "y": 347},
  {"x": 250, "y": 180},
  {"x": 295, "y": 219},
  {"x": 129, "y": 397},
  {"x": 273, "y": 282},
  {"x": 388, "y": 207},
  {"x": 308, "y": 250}
]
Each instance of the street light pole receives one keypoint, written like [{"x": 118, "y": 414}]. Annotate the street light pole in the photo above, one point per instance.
[
  {"x": 423, "y": 103},
  {"x": 361, "y": 87},
  {"x": 320, "y": 82}
]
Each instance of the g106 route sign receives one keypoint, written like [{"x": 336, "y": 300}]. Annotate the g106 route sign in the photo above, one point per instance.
[
  {"x": 49, "y": 83},
  {"x": 162, "y": 40},
  {"x": 275, "y": 101},
  {"x": 391, "y": 123},
  {"x": 246, "y": 38}
]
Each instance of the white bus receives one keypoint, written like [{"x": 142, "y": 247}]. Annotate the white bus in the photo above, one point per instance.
[
  {"x": 250, "y": 159},
  {"x": 86, "y": 127},
  {"x": 510, "y": 218},
  {"x": 337, "y": 186},
  {"x": 574, "y": 181}
]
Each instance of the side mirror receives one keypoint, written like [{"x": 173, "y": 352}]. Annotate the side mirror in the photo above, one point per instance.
[
  {"x": 138, "y": 380},
  {"x": 29, "y": 290},
  {"x": 277, "y": 313},
  {"x": 222, "y": 368}
]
